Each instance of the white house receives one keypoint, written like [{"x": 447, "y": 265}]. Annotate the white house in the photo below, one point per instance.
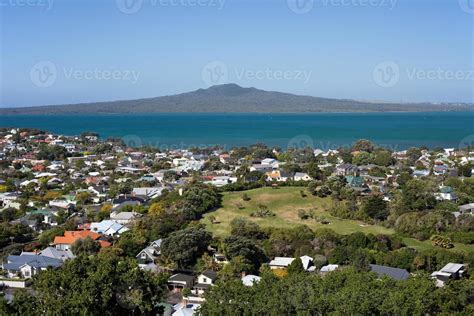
[
  {"x": 250, "y": 280},
  {"x": 124, "y": 217},
  {"x": 205, "y": 280},
  {"x": 301, "y": 176},
  {"x": 284, "y": 262}
]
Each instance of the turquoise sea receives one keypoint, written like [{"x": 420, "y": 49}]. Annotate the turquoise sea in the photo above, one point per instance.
[{"x": 322, "y": 130}]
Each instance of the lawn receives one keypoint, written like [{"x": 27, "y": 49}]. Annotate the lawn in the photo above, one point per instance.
[{"x": 285, "y": 202}]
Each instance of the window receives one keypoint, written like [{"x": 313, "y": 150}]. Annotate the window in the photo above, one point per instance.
[{"x": 204, "y": 280}]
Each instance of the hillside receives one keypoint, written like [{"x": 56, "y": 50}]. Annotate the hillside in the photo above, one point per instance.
[{"x": 231, "y": 98}]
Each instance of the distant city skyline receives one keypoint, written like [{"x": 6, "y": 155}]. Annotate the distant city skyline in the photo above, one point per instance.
[{"x": 62, "y": 52}]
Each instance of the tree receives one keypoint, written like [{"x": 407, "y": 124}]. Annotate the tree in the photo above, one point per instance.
[
  {"x": 131, "y": 242},
  {"x": 296, "y": 266},
  {"x": 86, "y": 246},
  {"x": 245, "y": 228},
  {"x": 418, "y": 195},
  {"x": 184, "y": 246},
  {"x": 375, "y": 207},
  {"x": 363, "y": 145},
  {"x": 238, "y": 246},
  {"x": 155, "y": 209},
  {"x": 465, "y": 170},
  {"x": 197, "y": 199},
  {"x": 105, "y": 284},
  {"x": 383, "y": 158}
]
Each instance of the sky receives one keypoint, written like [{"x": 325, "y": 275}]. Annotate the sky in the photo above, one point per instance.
[{"x": 71, "y": 51}]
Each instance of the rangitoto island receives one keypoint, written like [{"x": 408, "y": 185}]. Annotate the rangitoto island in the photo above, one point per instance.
[{"x": 232, "y": 98}]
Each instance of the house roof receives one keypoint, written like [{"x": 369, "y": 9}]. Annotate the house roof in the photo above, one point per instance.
[
  {"x": 180, "y": 277},
  {"x": 71, "y": 236},
  {"x": 466, "y": 207},
  {"x": 210, "y": 274},
  {"x": 202, "y": 286},
  {"x": 394, "y": 273},
  {"x": 281, "y": 261},
  {"x": 452, "y": 268},
  {"x": 250, "y": 280},
  {"x": 52, "y": 252},
  {"x": 108, "y": 226},
  {"x": 329, "y": 268},
  {"x": 33, "y": 260},
  {"x": 306, "y": 261}
]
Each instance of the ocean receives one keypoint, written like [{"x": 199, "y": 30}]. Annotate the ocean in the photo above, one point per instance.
[{"x": 396, "y": 131}]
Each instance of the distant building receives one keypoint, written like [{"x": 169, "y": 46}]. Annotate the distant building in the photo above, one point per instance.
[
  {"x": 394, "y": 273},
  {"x": 451, "y": 271}
]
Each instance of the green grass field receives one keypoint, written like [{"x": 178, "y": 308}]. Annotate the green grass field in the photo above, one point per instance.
[{"x": 285, "y": 202}]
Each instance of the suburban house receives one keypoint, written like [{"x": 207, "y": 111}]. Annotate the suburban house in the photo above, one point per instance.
[
  {"x": 250, "y": 280},
  {"x": 354, "y": 181},
  {"x": 52, "y": 252},
  {"x": 328, "y": 268},
  {"x": 28, "y": 264},
  {"x": 284, "y": 262},
  {"x": 446, "y": 194},
  {"x": 65, "y": 242},
  {"x": 148, "y": 193},
  {"x": 467, "y": 209},
  {"x": 222, "y": 180},
  {"x": 346, "y": 169},
  {"x": 220, "y": 258},
  {"x": 124, "y": 218},
  {"x": 178, "y": 282},
  {"x": 261, "y": 168},
  {"x": 204, "y": 281},
  {"x": 278, "y": 175},
  {"x": 271, "y": 162},
  {"x": 419, "y": 173},
  {"x": 108, "y": 227},
  {"x": 394, "y": 273},
  {"x": 451, "y": 271},
  {"x": 150, "y": 253},
  {"x": 301, "y": 176}
]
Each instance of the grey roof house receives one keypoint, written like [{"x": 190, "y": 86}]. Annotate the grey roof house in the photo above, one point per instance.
[
  {"x": 394, "y": 273},
  {"x": 28, "y": 264}
]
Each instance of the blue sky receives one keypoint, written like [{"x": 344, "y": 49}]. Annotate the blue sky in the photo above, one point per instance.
[{"x": 59, "y": 51}]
